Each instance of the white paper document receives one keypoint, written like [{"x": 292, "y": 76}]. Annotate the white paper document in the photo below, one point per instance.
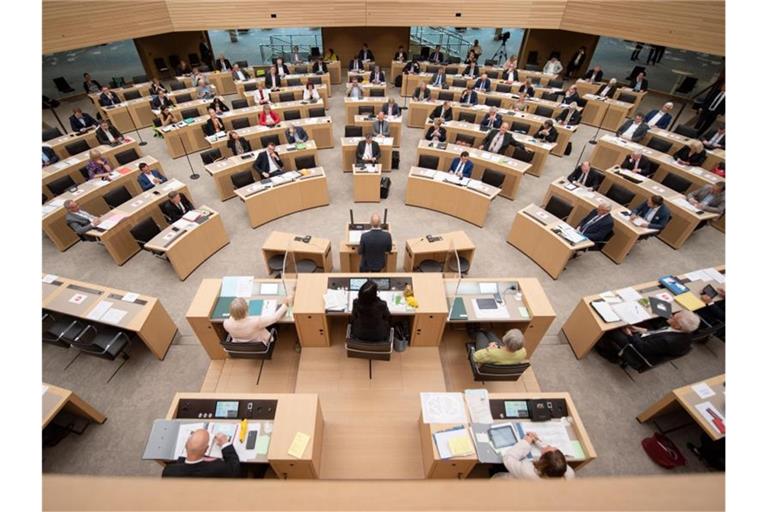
[
  {"x": 552, "y": 433},
  {"x": 335, "y": 300},
  {"x": 707, "y": 410},
  {"x": 99, "y": 310},
  {"x": 703, "y": 390},
  {"x": 490, "y": 314},
  {"x": 237, "y": 286},
  {"x": 49, "y": 278},
  {"x": 354, "y": 237},
  {"x": 443, "y": 408},
  {"x": 628, "y": 294},
  {"x": 631, "y": 312},
  {"x": 489, "y": 288},
  {"x": 605, "y": 311},
  {"x": 228, "y": 429},
  {"x": 714, "y": 275},
  {"x": 268, "y": 289},
  {"x": 610, "y": 297},
  {"x": 130, "y": 297},
  {"x": 443, "y": 441},
  {"x": 479, "y": 405},
  {"x": 113, "y": 316}
]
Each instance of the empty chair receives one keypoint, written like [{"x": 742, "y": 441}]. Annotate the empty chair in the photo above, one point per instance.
[
  {"x": 659, "y": 144},
  {"x": 429, "y": 266},
  {"x": 600, "y": 177},
  {"x": 250, "y": 86},
  {"x": 541, "y": 110},
  {"x": 558, "y": 208},
  {"x": 482, "y": 372},
  {"x": 140, "y": 79},
  {"x": 353, "y": 131},
  {"x": 275, "y": 264},
  {"x": 626, "y": 98},
  {"x": 582, "y": 102},
  {"x": 294, "y": 82},
  {"x": 445, "y": 96},
  {"x": 492, "y": 74},
  {"x": 290, "y": 115},
  {"x": 453, "y": 70},
  {"x": 555, "y": 84},
  {"x": 189, "y": 113},
  {"x": 399, "y": 81},
  {"x": 160, "y": 64},
  {"x": 203, "y": 68},
  {"x": 365, "y": 109},
  {"x": 459, "y": 82},
  {"x": 77, "y": 147},
  {"x": 493, "y": 178},
  {"x": 57, "y": 328},
  {"x": 127, "y": 156},
  {"x": 317, "y": 112},
  {"x": 532, "y": 67},
  {"x": 676, "y": 183},
  {"x": 242, "y": 179},
  {"x": 686, "y": 131},
  {"x": 266, "y": 139},
  {"x": 183, "y": 98},
  {"x": 210, "y": 156},
  {"x": 428, "y": 161},
  {"x": 176, "y": 85},
  {"x": 522, "y": 154},
  {"x": 250, "y": 349},
  {"x": 467, "y": 117},
  {"x": 462, "y": 138},
  {"x": 242, "y": 63},
  {"x": 239, "y": 103},
  {"x": 84, "y": 172},
  {"x": 305, "y": 162},
  {"x": 493, "y": 102},
  {"x": 145, "y": 231},
  {"x": 118, "y": 196},
  {"x": 550, "y": 96},
  {"x": 371, "y": 350},
  {"x": 61, "y": 185},
  {"x": 286, "y": 96},
  {"x": 131, "y": 94},
  {"x": 520, "y": 127},
  {"x": 102, "y": 341},
  {"x": 242, "y": 122},
  {"x": 62, "y": 85},
  {"x": 300, "y": 69},
  {"x": 51, "y": 133},
  {"x": 504, "y": 88},
  {"x": 377, "y": 93},
  {"x": 306, "y": 266},
  {"x": 652, "y": 168},
  {"x": 620, "y": 194},
  {"x": 462, "y": 263}
]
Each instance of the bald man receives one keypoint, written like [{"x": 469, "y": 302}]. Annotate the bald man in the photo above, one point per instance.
[
  {"x": 374, "y": 246},
  {"x": 598, "y": 223},
  {"x": 197, "y": 465}
]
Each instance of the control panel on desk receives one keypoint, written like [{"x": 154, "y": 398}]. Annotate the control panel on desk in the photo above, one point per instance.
[
  {"x": 383, "y": 283},
  {"x": 191, "y": 408}
]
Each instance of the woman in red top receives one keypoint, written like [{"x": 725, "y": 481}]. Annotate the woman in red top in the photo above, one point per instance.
[{"x": 268, "y": 117}]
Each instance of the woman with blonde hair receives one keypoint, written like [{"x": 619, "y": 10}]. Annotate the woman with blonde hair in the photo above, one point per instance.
[
  {"x": 245, "y": 328},
  {"x": 692, "y": 154}
]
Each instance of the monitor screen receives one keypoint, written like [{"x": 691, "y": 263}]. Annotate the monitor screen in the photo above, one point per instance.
[
  {"x": 356, "y": 283},
  {"x": 515, "y": 408},
  {"x": 502, "y": 436},
  {"x": 382, "y": 283},
  {"x": 227, "y": 409}
]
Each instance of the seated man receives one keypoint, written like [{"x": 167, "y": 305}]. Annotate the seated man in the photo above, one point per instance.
[
  {"x": 268, "y": 163},
  {"x": 108, "y": 134},
  {"x": 365, "y": 54},
  {"x": 571, "y": 96},
  {"x": 638, "y": 163},
  {"x": 355, "y": 91},
  {"x": 547, "y": 132},
  {"x": 527, "y": 88},
  {"x": 594, "y": 75},
  {"x": 319, "y": 67},
  {"x": 421, "y": 93},
  {"x": 497, "y": 141},
  {"x": 272, "y": 80},
  {"x": 374, "y": 247},
  {"x": 439, "y": 78},
  {"x": 659, "y": 340},
  {"x": 598, "y": 223},
  {"x": 368, "y": 151},
  {"x": 149, "y": 177},
  {"x": 483, "y": 84},
  {"x": 296, "y": 134},
  {"x": 412, "y": 66},
  {"x": 443, "y": 111},
  {"x": 370, "y": 315},
  {"x": 161, "y": 101},
  {"x": 49, "y": 156},
  {"x": 570, "y": 116},
  {"x": 239, "y": 74},
  {"x": 81, "y": 122},
  {"x": 709, "y": 198},
  {"x": 652, "y": 214},
  {"x": 584, "y": 175},
  {"x": 660, "y": 118},
  {"x": 391, "y": 108},
  {"x": 176, "y": 206},
  {"x": 471, "y": 70},
  {"x": 195, "y": 464},
  {"x": 79, "y": 220},
  {"x": 205, "y": 91},
  {"x": 714, "y": 138},
  {"x": 380, "y": 126},
  {"x": 607, "y": 90},
  {"x": 510, "y": 349},
  {"x": 436, "y": 132},
  {"x": 436, "y": 56},
  {"x": 356, "y": 65},
  {"x": 633, "y": 130},
  {"x": 462, "y": 165},
  {"x": 377, "y": 76},
  {"x": 107, "y": 98},
  {"x": 468, "y": 96},
  {"x": 491, "y": 120},
  {"x": 641, "y": 83}
]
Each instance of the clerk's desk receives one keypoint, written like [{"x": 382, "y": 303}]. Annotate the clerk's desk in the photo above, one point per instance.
[
  {"x": 222, "y": 170},
  {"x": 316, "y": 249},
  {"x": 714, "y": 156},
  {"x": 686, "y": 398},
  {"x": 188, "y": 244},
  {"x": 267, "y": 200},
  {"x": 395, "y": 126},
  {"x": 585, "y": 327},
  {"x": 461, "y": 467},
  {"x": 90, "y": 197},
  {"x": 292, "y": 413},
  {"x": 352, "y": 106},
  {"x": 319, "y": 129},
  {"x": 349, "y": 152},
  {"x": 350, "y": 260},
  {"x": 145, "y": 316},
  {"x": 221, "y": 80},
  {"x": 539, "y": 148},
  {"x": 71, "y": 166},
  {"x": 56, "y": 399},
  {"x": 685, "y": 217},
  {"x": 334, "y": 69},
  {"x": 468, "y": 200},
  {"x": 117, "y": 240},
  {"x": 59, "y": 144},
  {"x": 605, "y": 113},
  {"x": 625, "y": 233},
  {"x": 513, "y": 170},
  {"x": 366, "y": 183},
  {"x": 367, "y": 87},
  {"x": 443, "y": 250},
  {"x": 137, "y": 113},
  {"x": 532, "y": 232},
  {"x": 611, "y": 150}
]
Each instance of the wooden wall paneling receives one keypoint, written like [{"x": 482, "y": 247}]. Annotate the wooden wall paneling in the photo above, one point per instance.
[
  {"x": 163, "y": 45},
  {"x": 383, "y": 42}
]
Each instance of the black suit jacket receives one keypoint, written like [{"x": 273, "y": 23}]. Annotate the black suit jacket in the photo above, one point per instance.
[
  {"x": 412, "y": 67},
  {"x": 85, "y": 85},
  {"x": 508, "y": 139},
  {"x": 360, "y": 66},
  {"x": 401, "y": 55},
  {"x": 436, "y": 57},
  {"x": 593, "y": 179},
  {"x": 262, "y": 162},
  {"x": 660, "y": 346},
  {"x": 299, "y": 135},
  {"x": 160, "y": 103},
  {"x": 173, "y": 212},
  {"x": 567, "y": 100},
  {"x": 219, "y": 67},
  {"x": 487, "y": 121},
  {"x": 209, "y": 129},
  {"x": 684, "y": 153},
  {"x": 447, "y": 115},
  {"x": 595, "y": 76},
  {"x": 530, "y": 91},
  {"x": 361, "y": 55},
  {"x": 551, "y": 137},
  {"x": 575, "y": 117},
  {"x": 52, "y": 157},
  {"x": 372, "y": 323},
  {"x": 102, "y": 137},
  {"x": 610, "y": 91},
  {"x": 106, "y": 101},
  {"x": 643, "y": 85},
  {"x": 417, "y": 94},
  {"x": 227, "y": 467},
  {"x": 511, "y": 75},
  {"x": 644, "y": 165},
  {"x": 710, "y": 134},
  {"x": 395, "y": 109},
  {"x": 597, "y": 231},
  {"x": 373, "y": 249},
  {"x": 244, "y": 143},
  {"x": 375, "y": 150},
  {"x": 473, "y": 72},
  {"x": 319, "y": 67},
  {"x": 431, "y": 131},
  {"x": 272, "y": 81},
  {"x": 76, "y": 125}
]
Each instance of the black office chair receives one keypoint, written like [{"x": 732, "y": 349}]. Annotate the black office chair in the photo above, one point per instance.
[
  {"x": 293, "y": 82},
  {"x": 452, "y": 70},
  {"x": 445, "y": 96},
  {"x": 520, "y": 127},
  {"x": 286, "y": 96},
  {"x": 686, "y": 131},
  {"x": 145, "y": 231},
  {"x": 429, "y": 266},
  {"x": 550, "y": 96},
  {"x": 140, "y": 79},
  {"x": 460, "y": 82},
  {"x": 581, "y": 102},
  {"x": 160, "y": 64},
  {"x": 370, "y": 350},
  {"x": 377, "y": 93},
  {"x": 305, "y": 162},
  {"x": 189, "y": 113},
  {"x": 127, "y": 156},
  {"x": 503, "y": 88},
  {"x": 306, "y": 266},
  {"x": 194, "y": 60},
  {"x": 266, "y": 139},
  {"x": 62, "y": 85},
  {"x": 131, "y": 94},
  {"x": 317, "y": 112},
  {"x": 242, "y": 63},
  {"x": 176, "y": 85},
  {"x": 535, "y": 81},
  {"x": 210, "y": 156},
  {"x": 365, "y": 109},
  {"x": 600, "y": 177},
  {"x": 532, "y": 67},
  {"x": 541, "y": 110},
  {"x": 558, "y": 208},
  {"x": 353, "y": 131},
  {"x": 242, "y": 179},
  {"x": 620, "y": 194},
  {"x": 626, "y": 98},
  {"x": 431, "y": 68},
  {"x": 467, "y": 117},
  {"x": 51, "y": 133},
  {"x": 461, "y": 266},
  {"x": 659, "y": 144},
  {"x": 492, "y": 178},
  {"x": 275, "y": 264},
  {"x": 77, "y": 147},
  {"x": 522, "y": 154},
  {"x": 494, "y": 372},
  {"x": 462, "y": 138},
  {"x": 183, "y": 98},
  {"x": 652, "y": 168},
  {"x": 676, "y": 183},
  {"x": 290, "y": 115},
  {"x": 428, "y": 161},
  {"x": 239, "y": 103},
  {"x": 84, "y": 172},
  {"x": 203, "y": 68},
  {"x": 242, "y": 122},
  {"x": 252, "y": 86},
  {"x": 492, "y": 75},
  {"x": 555, "y": 84},
  {"x": 314, "y": 80},
  {"x": 250, "y": 349},
  {"x": 57, "y": 328},
  {"x": 399, "y": 81},
  {"x": 105, "y": 342},
  {"x": 118, "y": 196},
  {"x": 61, "y": 185}
]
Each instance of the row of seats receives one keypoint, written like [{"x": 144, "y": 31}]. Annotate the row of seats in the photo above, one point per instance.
[
  {"x": 245, "y": 178},
  {"x": 61, "y": 185}
]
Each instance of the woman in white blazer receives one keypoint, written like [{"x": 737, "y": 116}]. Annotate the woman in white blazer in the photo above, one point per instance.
[
  {"x": 310, "y": 93},
  {"x": 551, "y": 463}
]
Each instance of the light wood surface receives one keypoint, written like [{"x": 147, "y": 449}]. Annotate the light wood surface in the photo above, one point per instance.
[
  {"x": 452, "y": 244},
  {"x": 280, "y": 243},
  {"x": 349, "y": 152},
  {"x": 56, "y": 399}
]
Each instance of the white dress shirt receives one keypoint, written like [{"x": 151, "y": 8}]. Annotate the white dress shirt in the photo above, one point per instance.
[
  {"x": 368, "y": 153},
  {"x": 629, "y": 132},
  {"x": 272, "y": 164},
  {"x": 656, "y": 118},
  {"x": 496, "y": 143},
  {"x": 716, "y": 138},
  {"x": 651, "y": 213}
]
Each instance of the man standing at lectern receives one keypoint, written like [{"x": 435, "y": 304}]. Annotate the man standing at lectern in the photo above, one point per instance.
[{"x": 374, "y": 246}]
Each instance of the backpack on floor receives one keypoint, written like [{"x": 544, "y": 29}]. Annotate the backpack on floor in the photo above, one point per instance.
[{"x": 384, "y": 190}]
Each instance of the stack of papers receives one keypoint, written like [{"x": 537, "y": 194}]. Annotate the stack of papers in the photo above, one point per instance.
[
  {"x": 683, "y": 202},
  {"x": 269, "y": 289},
  {"x": 443, "y": 408},
  {"x": 479, "y": 405},
  {"x": 552, "y": 433},
  {"x": 354, "y": 236},
  {"x": 453, "y": 443},
  {"x": 395, "y": 301},
  {"x": 479, "y": 186},
  {"x": 335, "y": 300},
  {"x": 236, "y": 286},
  {"x": 631, "y": 312}
]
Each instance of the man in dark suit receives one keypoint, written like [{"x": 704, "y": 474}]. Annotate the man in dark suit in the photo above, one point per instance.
[
  {"x": 511, "y": 75},
  {"x": 660, "y": 118},
  {"x": 584, "y": 175},
  {"x": 319, "y": 67},
  {"x": 641, "y": 83},
  {"x": 272, "y": 80},
  {"x": 421, "y": 92},
  {"x": 222, "y": 64},
  {"x": 49, "y": 157},
  {"x": 598, "y": 223},
  {"x": 443, "y": 111},
  {"x": 412, "y": 66},
  {"x": 90, "y": 85},
  {"x": 633, "y": 130},
  {"x": 356, "y": 65},
  {"x": 652, "y": 214},
  {"x": 108, "y": 134},
  {"x": 638, "y": 163},
  {"x": 365, "y": 53},
  {"x": 468, "y": 96},
  {"x": 491, "y": 120},
  {"x": 462, "y": 165},
  {"x": 161, "y": 101},
  {"x": 471, "y": 70},
  {"x": 594, "y": 75},
  {"x": 713, "y": 106},
  {"x": 368, "y": 151},
  {"x": 438, "y": 79},
  {"x": 281, "y": 67},
  {"x": 374, "y": 246},
  {"x": 497, "y": 141},
  {"x": 483, "y": 84},
  {"x": 239, "y": 74},
  {"x": 268, "y": 163},
  {"x": 607, "y": 90},
  {"x": 714, "y": 138},
  {"x": 195, "y": 465},
  {"x": 176, "y": 206},
  {"x": 81, "y": 122},
  {"x": 107, "y": 98},
  {"x": 377, "y": 76},
  {"x": 390, "y": 108},
  {"x": 401, "y": 55},
  {"x": 149, "y": 178},
  {"x": 436, "y": 132},
  {"x": 296, "y": 134},
  {"x": 570, "y": 116},
  {"x": 436, "y": 56}
]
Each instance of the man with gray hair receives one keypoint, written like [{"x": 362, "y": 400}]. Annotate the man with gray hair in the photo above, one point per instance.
[
  {"x": 660, "y": 118},
  {"x": 598, "y": 223},
  {"x": 79, "y": 220},
  {"x": 489, "y": 349}
]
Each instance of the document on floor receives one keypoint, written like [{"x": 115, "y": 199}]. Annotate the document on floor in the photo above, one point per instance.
[
  {"x": 631, "y": 312},
  {"x": 479, "y": 405},
  {"x": 443, "y": 408},
  {"x": 551, "y": 433}
]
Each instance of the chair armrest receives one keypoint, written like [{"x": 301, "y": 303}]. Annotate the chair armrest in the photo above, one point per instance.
[
  {"x": 77, "y": 338},
  {"x": 114, "y": 340}
]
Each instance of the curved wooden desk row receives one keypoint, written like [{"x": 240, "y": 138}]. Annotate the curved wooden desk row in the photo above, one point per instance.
[
  {"x": 137, "y": 113},
  {"x": 412, "y": 81},
  {"x": 319, "y": 129},
  {"x": 714, "y": 156},
  {"x": 584, "y": 87}
]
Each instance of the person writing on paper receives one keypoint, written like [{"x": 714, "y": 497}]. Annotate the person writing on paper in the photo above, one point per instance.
[
  {"x": 510, "y": 349},
  {"x": 244, "y": 328},
  {"x": 598, "y": 223},
  {"x": 380, "y": 126},
  {"x": 652, "y": 214},
  {"x": 551, "y": 463},
  {"x": 176, "y": 206},
  {"x": 584, "y": 176},
  {"x": 238, "y": 145},
  {"x": 79, "y": 220},
  {"x": 149, "y": 177},
  {"x": 368, "y": 151},
  {"x": 710, "y": 198},
  {"x": 97, "y": 166},
  {"x": 310, "y": 93},
  {"x": 374, "y": 246},
  {"x": 370, "y": 314},
  {"x": 462, "y": 165},
  {"x": 108, "y": 135},
  {"x": 633, "y": 130},
  {"x": 195, "y": 463}
]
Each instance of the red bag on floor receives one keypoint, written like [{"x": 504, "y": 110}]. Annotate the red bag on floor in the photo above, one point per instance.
[{"x": 663, "y": 451}]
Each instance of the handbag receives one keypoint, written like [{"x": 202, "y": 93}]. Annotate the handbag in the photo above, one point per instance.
[{"x": 663, "y": 451}]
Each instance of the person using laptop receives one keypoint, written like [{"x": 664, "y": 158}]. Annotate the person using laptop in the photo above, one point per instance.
[
  {"x": 510, "y": 349},
  {"x": 370, "y": 314}
]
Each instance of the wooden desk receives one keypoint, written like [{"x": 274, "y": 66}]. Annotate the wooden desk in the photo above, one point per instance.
[
  {"x": 317, "y": 249},
  {"x": 625, "y": 232},
  {"x": 637, "y": 98},
  {"x": 605, "y": 113},
  {"x": 513, "y": 170},
  {"x": 714, "y": 156},
  {"x": 59, "y": 144},
  {"x": 366, "y": 184},
  {"x": 319, "y": 129},
  {"x": 687, "y": 399},
  {"x": 267, "y": 204},
  {"x": 350, "y": 260},
  {"x": 352, "y": 106},
  {"x": 585, "y": 327},
  {"x": 427, "y": 190},
  {"x": 367, "y": 87},
  {"x": 245, "y": 89},
  {"x": 461, "y": 467},
  {"x": 395, "y": 126},
  {"x": 362, "y": 76},
  {"x": 56, "y": 399},
  {"x": 290, "y": 80},
  {"x": 142, "y": 88},
  {"x": 349, "y": 152},
  {"x": 130, "y": 114},
  {"x": 584, "y": 87},
  {"x": 145, "y": 316},
  {"x": 188, "y": 244},
  {"x": 296, "y": 412},
  {"x": 222, "y": 81},
  {"x": 222, "y": 170},
  {"x": 90, "y": 197},
  {"x": 452, "y": 244},
  {"x": 334, "y": 69},
  {"x": 532, "y": 233}
]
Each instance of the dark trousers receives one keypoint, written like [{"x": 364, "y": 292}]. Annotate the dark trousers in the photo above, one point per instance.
[
  {"x": 706, "y": 118},
  {"x": 636, "y": 53},
  {"x": 483, "y": 338}
]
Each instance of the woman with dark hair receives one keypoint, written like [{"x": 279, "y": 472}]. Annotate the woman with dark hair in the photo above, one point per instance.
[
  {"x": 370, "y": 314},
  {"x": 218, "y": 105},
  {"x": 551, "y": 463}
]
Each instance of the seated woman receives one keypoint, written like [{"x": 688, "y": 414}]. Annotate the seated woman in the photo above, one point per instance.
[
  {"x": 310, "y": 93},
  {"x": 237, "y": 144},
  {"x": 98, "y": 166},
  {"x": 370, "y": 314},
  {"x": 489, "y": 349},
  {"x": 245, "y": 328},
  {"x": 692, "y": 154},
  {"x": 166, "y": 117},
  {"x": 218, "y": 105},
  {"x": 269, "y": 117},
  {"x": 551, "y": 463}
]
